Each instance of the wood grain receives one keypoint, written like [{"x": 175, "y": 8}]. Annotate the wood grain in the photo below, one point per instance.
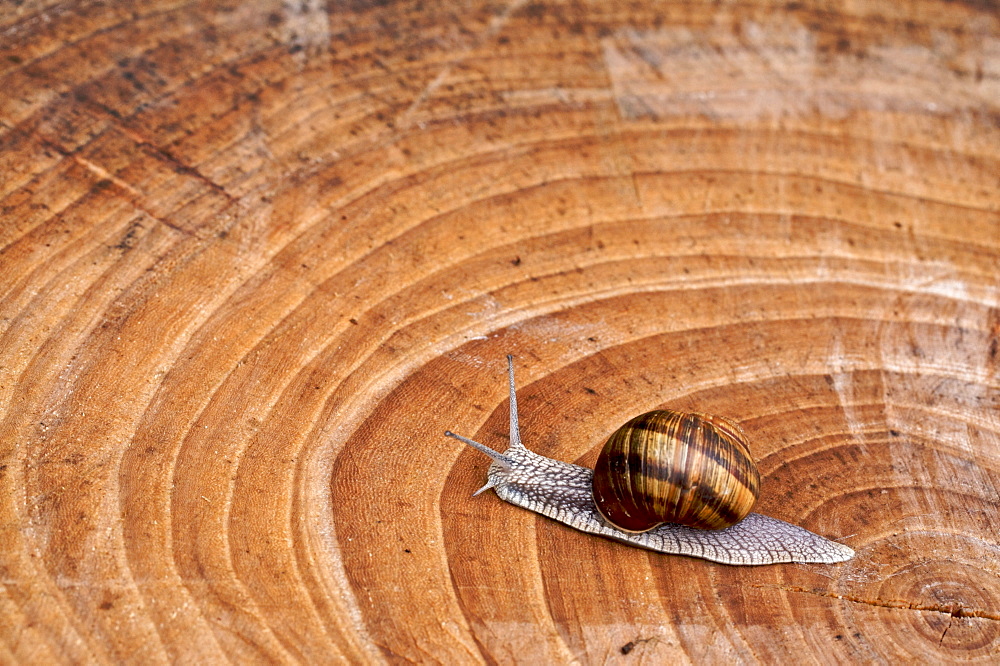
[{"x": 256, "y": 257}]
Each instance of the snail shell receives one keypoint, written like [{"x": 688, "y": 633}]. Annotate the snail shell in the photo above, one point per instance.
[
  {"x": 564, "y": 491},
  {"x": 676, "y": 467}
]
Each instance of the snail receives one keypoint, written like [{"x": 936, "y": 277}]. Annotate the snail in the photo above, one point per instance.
[{"x": 643, "y": 502}]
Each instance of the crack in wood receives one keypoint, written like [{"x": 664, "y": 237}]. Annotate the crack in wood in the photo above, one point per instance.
[
  {"x": 945, "y": 632},
  {"x": 634, "y": 643},
  {"x": 954, "y": 610}
]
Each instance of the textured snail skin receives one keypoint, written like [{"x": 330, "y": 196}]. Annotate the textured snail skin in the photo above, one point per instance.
[{"x": 562, "y": 491}]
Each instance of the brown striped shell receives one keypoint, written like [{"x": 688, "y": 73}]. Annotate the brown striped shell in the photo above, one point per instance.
[{"x": 676, "y": 467}]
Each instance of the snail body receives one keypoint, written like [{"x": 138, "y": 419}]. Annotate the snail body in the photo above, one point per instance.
[{"x": 706, "y": 456}]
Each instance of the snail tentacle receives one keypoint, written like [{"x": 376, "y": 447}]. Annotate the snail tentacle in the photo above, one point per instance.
[
  {"x": 502, "y": 462},
  {"x": 515, "y": 430}
]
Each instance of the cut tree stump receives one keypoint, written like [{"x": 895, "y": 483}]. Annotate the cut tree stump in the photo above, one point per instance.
[{"x": 255, "y": 258}]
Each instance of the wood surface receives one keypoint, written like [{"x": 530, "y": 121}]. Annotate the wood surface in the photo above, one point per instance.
[{"x": 256, "y": 257}]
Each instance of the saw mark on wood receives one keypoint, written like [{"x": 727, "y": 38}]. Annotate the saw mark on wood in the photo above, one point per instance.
[
  {"x": 106, "y": 178},
  {"x": 495, "y": 25},
  {"x": 104, "y": 174}
]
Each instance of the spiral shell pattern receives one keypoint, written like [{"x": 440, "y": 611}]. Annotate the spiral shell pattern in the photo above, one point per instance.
[{"x": 676, "y": 467}]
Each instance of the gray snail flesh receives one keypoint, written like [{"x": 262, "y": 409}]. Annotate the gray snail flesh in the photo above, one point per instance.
[{"x": 564, "y": 491}]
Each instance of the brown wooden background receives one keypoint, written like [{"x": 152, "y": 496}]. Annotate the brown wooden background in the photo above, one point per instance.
[{"x": 257, "y": 257}]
